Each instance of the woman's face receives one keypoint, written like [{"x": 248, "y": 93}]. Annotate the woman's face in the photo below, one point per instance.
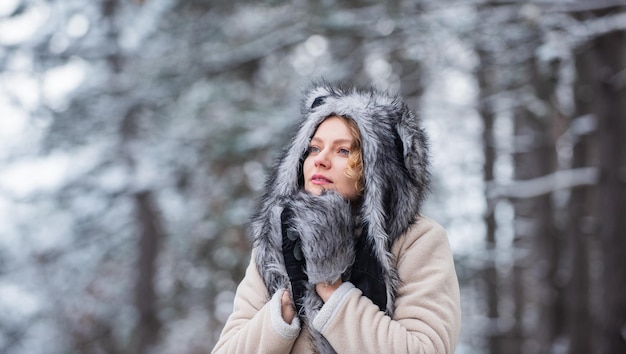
[{"x": 326, "y": 162}]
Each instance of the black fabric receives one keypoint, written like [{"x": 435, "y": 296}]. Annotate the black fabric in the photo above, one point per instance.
[
  {"x": 367, "y": 273},
  {"x": 294, "y": 261}
]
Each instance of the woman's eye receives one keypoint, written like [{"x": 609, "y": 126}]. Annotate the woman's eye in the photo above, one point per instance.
[
  {"x": 343, "y": 151},
  {"x": 313, "y": 149}
]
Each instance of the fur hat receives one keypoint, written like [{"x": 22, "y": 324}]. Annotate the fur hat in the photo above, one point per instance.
[{"x": 395, "y": 169}]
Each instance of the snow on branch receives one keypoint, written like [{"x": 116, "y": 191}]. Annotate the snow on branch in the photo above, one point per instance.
[
  {"x": 224, "y": 56},
  {"x": 584, "y": 6},
  {"x": 539, "y": 186},
  {"x": 597, "y": 27}
]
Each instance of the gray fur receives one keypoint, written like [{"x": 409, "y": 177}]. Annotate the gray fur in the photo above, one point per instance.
[
  {"x": 396, "y": 171},
  {"x": 312, "y": 305},
  {"x": 326, "y": 231}
]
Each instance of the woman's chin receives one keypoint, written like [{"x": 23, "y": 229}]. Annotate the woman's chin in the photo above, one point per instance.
[{"x": 314, "y": 189}]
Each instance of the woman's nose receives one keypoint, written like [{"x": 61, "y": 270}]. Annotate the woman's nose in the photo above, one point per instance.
[{"x": 321, "y": 160}]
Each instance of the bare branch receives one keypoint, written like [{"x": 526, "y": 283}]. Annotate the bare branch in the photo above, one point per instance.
[{"x": 536, "y": 187}]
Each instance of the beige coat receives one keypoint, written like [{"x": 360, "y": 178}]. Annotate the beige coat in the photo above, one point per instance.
[{"x": 426, "y": 319}]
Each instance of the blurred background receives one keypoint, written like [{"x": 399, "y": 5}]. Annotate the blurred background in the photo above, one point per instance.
[{"x": 135, "y": 137}]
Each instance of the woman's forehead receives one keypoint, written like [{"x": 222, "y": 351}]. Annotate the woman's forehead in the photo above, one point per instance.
[{"x": 333, "y": 127}]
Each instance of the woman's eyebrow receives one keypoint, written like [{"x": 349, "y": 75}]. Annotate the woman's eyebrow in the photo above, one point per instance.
[
  {"x": 334, "y": 142},
  {"x": 343, "y": 141}
]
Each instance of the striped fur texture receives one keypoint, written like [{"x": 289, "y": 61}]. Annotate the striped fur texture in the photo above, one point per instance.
[{"x": 326, "y": 231}]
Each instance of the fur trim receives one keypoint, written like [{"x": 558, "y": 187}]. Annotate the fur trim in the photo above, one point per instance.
[
  {"x": 395, "y": 169},
  {"x": 326, "y": 231}
]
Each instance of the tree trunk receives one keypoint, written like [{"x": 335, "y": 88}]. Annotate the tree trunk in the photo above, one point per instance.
[
  {"x": 549, "y": 239},
  {"x": 537, "y": 242},
  {"x": 610, "y": 90},
  {"x": 148, "y": 323},
  {"x": 601, "y": 91},
  {"x": 581, "y": 206},
  {"x": 490, "y": 273},
  {"x": 581, "y": 214}
]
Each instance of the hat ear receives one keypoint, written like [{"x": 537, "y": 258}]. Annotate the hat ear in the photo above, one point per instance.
[
  {"x": 414, "y": 146},
  {"x": 318, "y": 101},
  {"x": 316, "y": 96}
]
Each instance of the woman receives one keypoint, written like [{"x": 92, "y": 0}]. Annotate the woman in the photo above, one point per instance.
[{"x": 342, "y": 261}]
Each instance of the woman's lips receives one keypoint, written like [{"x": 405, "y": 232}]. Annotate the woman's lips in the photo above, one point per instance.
[{"x": 320, "y": 180}]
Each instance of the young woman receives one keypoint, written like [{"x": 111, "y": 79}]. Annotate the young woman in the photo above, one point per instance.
[{"x": 342, "y": 259}]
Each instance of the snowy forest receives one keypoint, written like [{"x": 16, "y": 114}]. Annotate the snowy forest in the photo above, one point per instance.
[{"x": 135, "y": 136}]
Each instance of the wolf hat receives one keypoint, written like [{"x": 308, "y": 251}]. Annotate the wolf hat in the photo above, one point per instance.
[{"x": 395, "y": 170}]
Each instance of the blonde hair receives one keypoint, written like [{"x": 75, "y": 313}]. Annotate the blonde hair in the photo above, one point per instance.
[{"x": 354, "y": 169}]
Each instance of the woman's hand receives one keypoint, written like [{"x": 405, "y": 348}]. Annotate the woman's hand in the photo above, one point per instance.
[
  {"x": 326, "y": 290},
  {"x": 287, "y": 309}
]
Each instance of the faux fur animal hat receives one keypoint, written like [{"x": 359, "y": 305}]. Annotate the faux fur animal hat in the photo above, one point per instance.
[{"x": 395, "y": 169}]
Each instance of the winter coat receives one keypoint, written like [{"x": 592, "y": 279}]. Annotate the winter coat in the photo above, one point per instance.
[{"x": 416, "y": 307}]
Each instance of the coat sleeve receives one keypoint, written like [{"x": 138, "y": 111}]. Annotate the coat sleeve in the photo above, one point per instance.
[
  {"x": 427, "y": 307},
  {"x": 256, "y": 324}
]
